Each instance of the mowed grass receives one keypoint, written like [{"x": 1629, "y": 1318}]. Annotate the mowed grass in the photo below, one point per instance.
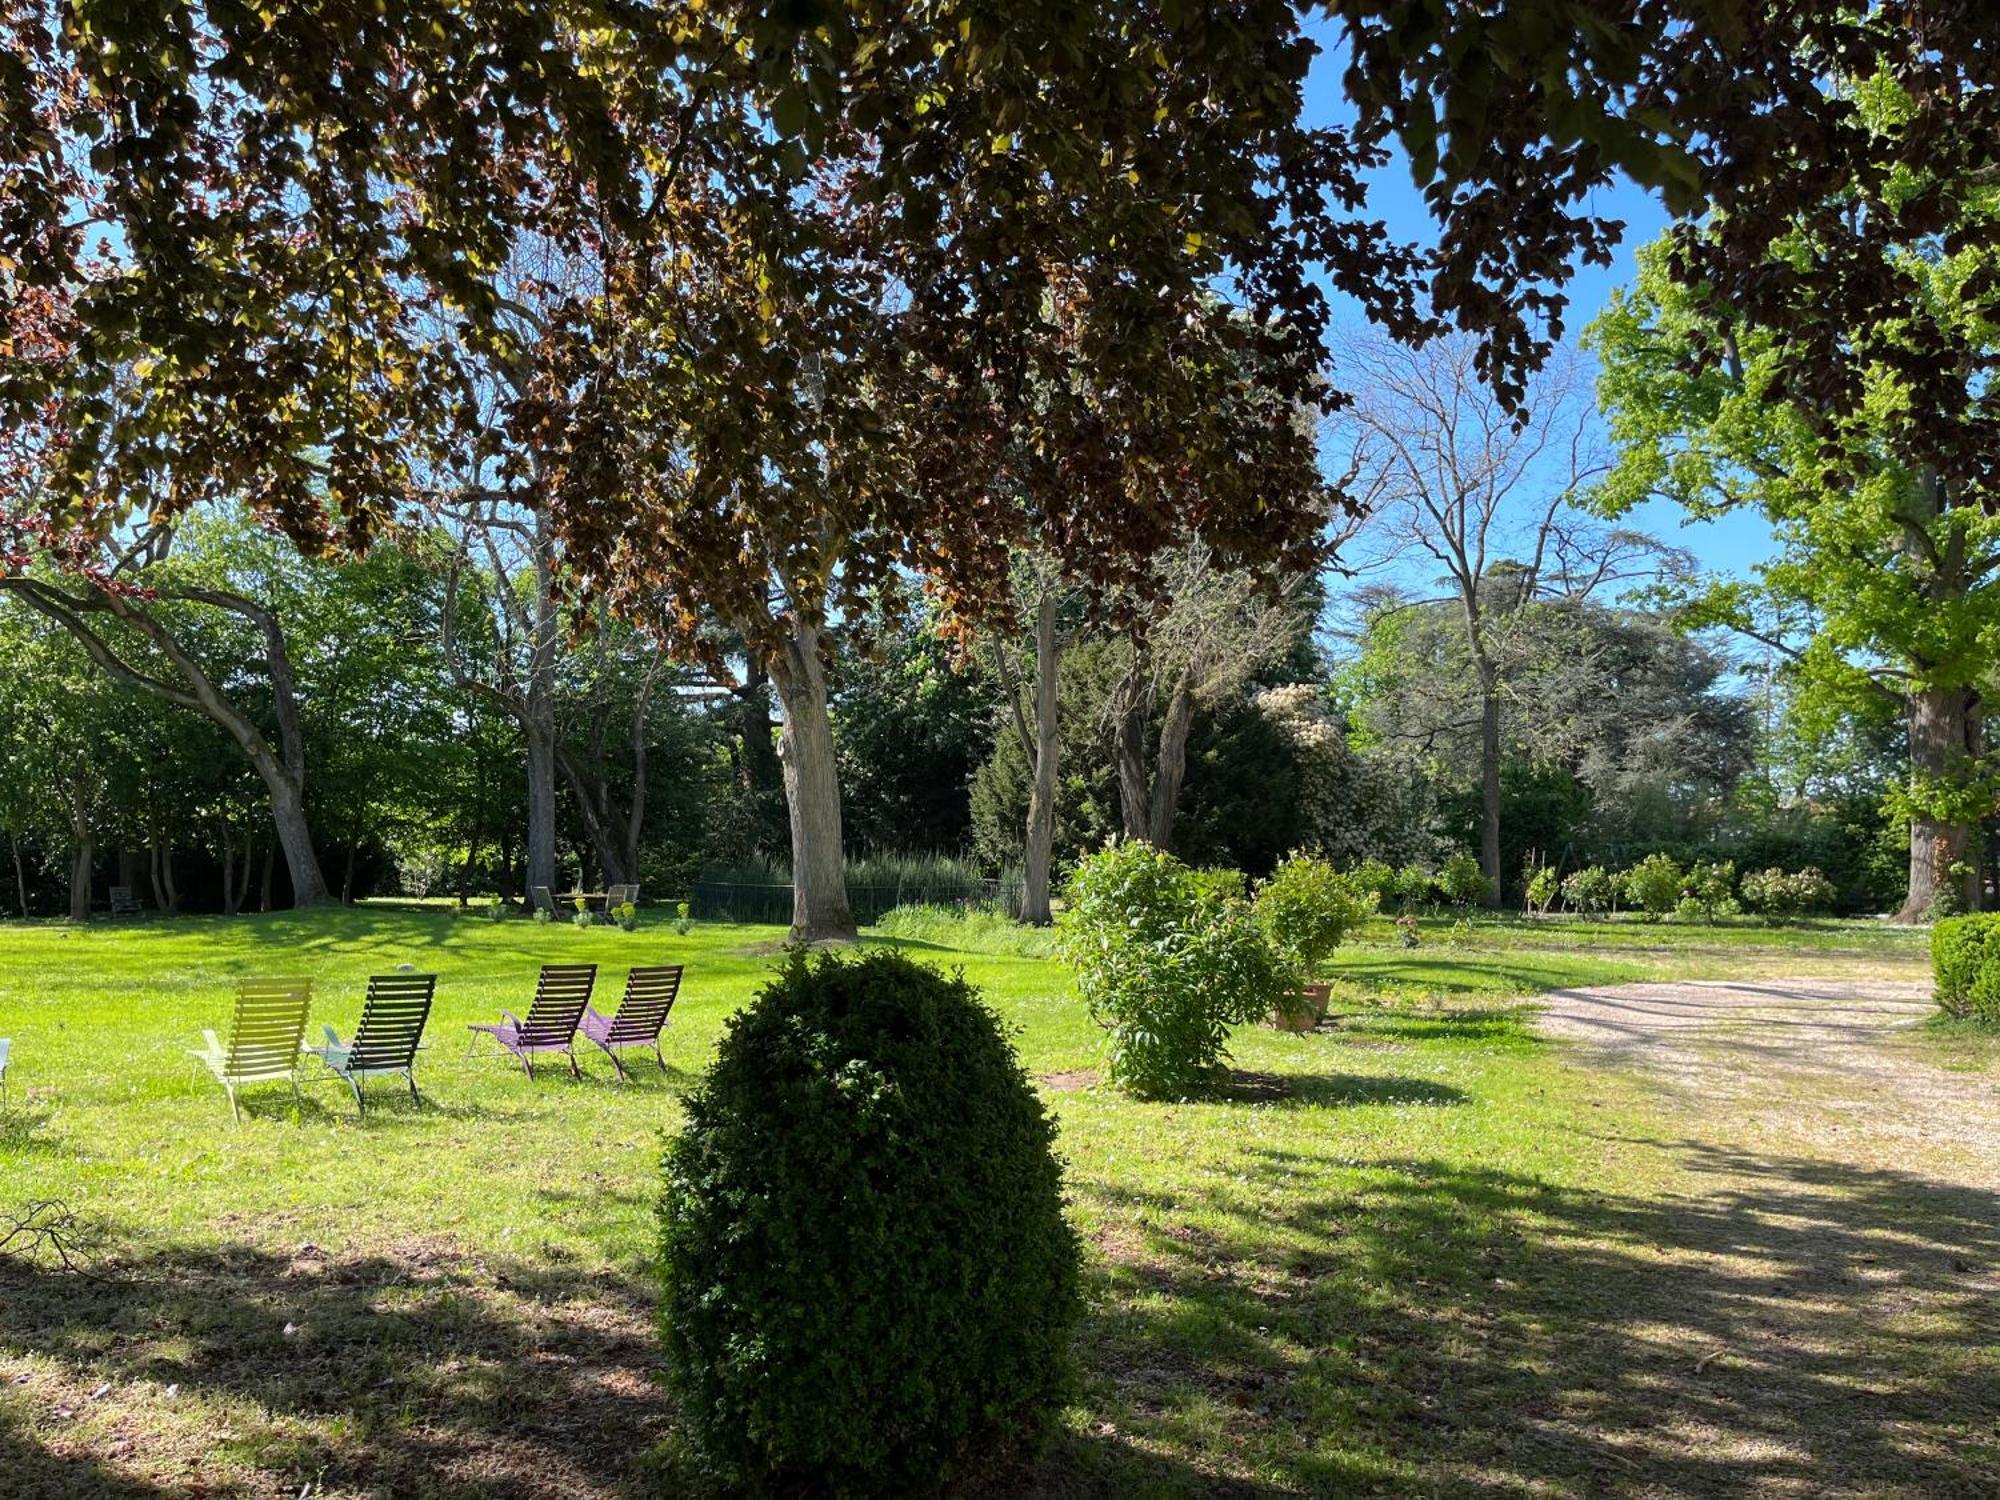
[{"x": 1401, "y": 1255}]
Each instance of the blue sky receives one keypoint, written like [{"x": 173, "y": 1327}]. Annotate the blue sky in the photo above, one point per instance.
[{"x": 1731, "y": 545}]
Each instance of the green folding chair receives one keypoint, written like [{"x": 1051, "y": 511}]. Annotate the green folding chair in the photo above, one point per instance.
[
  {"x": 264, "y": 1037},
  {"x": 389, "y": 1037}
]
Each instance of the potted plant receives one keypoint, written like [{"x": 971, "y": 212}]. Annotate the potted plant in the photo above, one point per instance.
[{"x": 1305, "y": 909}]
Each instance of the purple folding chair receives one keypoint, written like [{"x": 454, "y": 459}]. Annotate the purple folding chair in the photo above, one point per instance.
[
  {"x": 642, "y": 1014},
  {"x": 560, "y": 996}
]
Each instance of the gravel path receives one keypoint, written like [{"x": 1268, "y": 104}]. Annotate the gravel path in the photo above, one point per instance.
[
  {"x": 1824, "y": 1062},
  {"x": 1806, "y": 1302}
]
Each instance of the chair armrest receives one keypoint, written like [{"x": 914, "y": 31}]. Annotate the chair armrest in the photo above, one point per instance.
[
  {"x": 332, "y": 1036},
  {"x": 214, "y": 1042}
]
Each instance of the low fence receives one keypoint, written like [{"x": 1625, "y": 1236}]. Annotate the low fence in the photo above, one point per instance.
[{"x": 735, "y": 901}]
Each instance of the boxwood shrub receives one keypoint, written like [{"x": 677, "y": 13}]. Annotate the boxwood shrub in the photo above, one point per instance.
[
  {"x": 866, "y": 1272},
  {"x": 1965, "y": 965}
]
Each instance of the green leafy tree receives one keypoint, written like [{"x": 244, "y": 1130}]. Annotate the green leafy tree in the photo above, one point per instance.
[{"x": 1884, "y": 585}]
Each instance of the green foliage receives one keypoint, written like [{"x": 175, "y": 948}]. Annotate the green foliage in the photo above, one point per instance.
[
  {"x": 1965, "y": 964},
  {"x": 1376, "y": 878},
  {"x": 1223, "y": 883},
  {"x": 1305, "y": 909},
  {"x": 1167, "y": 963},
  {"x": 1654, "y": 885},
  {"x": 1708, "y": 892},
  {"x": 1414, "y": 886},
  {"x": 1591, "y": 889},
  {"x": 683, "y": 922},
  {"x": 866, "y": 1271},
  {"x": 1776, "y": 893},
  {"x": 1461, "y": 881},
  {"x": 626, "y": 915},
  {"x": 1540, "y": 887}
]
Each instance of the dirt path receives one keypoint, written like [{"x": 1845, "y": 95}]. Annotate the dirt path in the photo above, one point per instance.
[
  {"x": 1824, "y": 1062},
  {"x": 1813, "y": 1304}
]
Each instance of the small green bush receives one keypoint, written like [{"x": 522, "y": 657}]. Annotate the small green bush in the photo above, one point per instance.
[
  {"x": 1462, "y": 882},
  {"x": 1414, "y": 887},
  {"x": 1230, "y": 884},
  {"x": 866, "y": 1271},
  {"x": 1377, "y": 878},
  {"x": 1166, "y": 963},
  {"x": 1655, "y": 884},
  {"x": 1965, "y": 965},
  {"x": 1305, "y": 909},
  {"x": 1775, "y": 893},
  {"x": 1708, "y": 891},
  {"x": 1540, "y": 888},
  {"x": 1591, "y": 889}
]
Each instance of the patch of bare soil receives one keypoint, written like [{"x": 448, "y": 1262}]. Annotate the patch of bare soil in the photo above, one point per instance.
[{"x": 1072, "y": 1081}]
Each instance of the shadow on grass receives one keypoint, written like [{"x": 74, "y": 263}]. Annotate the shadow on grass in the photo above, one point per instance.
[
  {"x": 417, "y": 1370},
  {"x": 1403, "y": 1324},
  {"x": 24, "y": 1132},
  {"x": 1332, "y": 1090},
  {"x": 1489, "y": 1024}
]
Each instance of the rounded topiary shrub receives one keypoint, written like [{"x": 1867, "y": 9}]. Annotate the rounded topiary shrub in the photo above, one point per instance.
[
  {"x": 867, "y": 1275},
  {"x": 1965, "y": 965}
]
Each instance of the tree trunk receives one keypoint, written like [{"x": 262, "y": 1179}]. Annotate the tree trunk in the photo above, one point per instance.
[
  {"x": 1171, "y": 763},
  {"x": 1132, "y": 704},
  {"x": 590, "y": 791},
  {"x": 264, "y": 894},
  {"x": 1489, "y": 794},
  {"x": 1943, "y": 735},
  {"x": 541, "y": 738},
  {"x": 153, "y": 878},
  {"x": 243, "y": 877},
  {"x": 288, "y": 818},
  {"x": 820, "y": 912},
  {"x": 1040, "y": 850},
  {"x": 20, "y": 870},
  {"x": 228, "y": 874},
  {"x": 347, "y": 878},
  {"x": 79, "y": 878},
  {"x": 167, "y": 883}
]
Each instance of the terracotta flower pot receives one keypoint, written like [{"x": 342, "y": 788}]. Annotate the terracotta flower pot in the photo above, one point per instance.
[{"x": 1307, "y": 1010}]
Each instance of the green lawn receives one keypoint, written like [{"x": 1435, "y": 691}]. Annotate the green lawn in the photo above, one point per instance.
[{"x": 1391, "y": 1258}]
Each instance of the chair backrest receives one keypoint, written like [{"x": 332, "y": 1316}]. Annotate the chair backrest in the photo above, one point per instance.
[
  {"x": 649, "y": 995},
  {"x": 560, "y": 996},
  {"x": 122, "y": 899},
  {"x": 540, "y": 899},
  {"x": 270, "y": 1022},
  {"x": 392, "y": 1021},
  {"x": 617, "y": 896}
]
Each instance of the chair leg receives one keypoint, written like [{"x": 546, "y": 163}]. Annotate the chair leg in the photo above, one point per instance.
[
  {"x": 528, "y": 1065},
  {"x": 235, "y": 1114},
  {"x": 411, "y": 1075},
  {"x": 617, "y": 1065},
  {"x": 574, "y": 1071},
  {"x": 657, "y": 1058}
]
